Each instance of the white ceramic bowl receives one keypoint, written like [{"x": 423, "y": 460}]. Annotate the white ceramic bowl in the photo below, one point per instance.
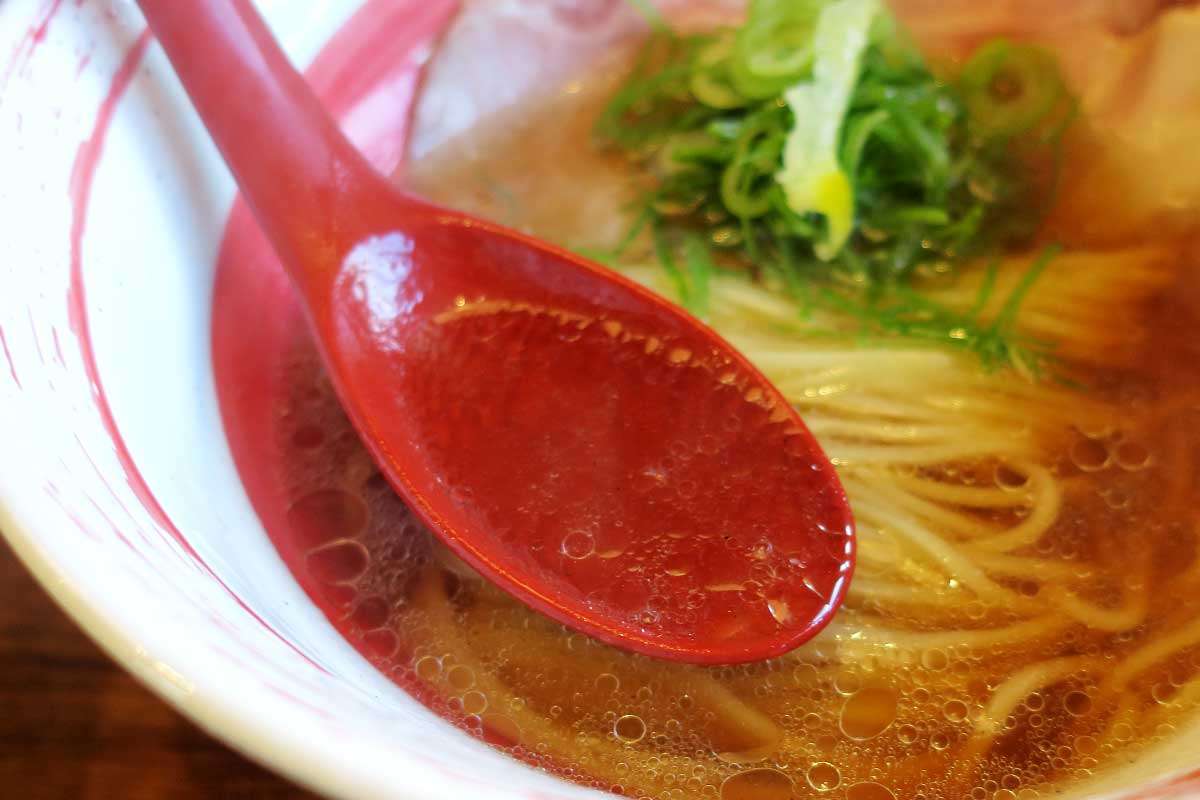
[{"x": 116, "y": 485}]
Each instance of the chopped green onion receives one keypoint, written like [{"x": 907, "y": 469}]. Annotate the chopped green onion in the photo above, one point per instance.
[
  {"x": 1010, "y": 88},
  {"x": 711, "y": 83},
  {"x": 776, "y": 43},
  {"x": 700, "y": 269},
  {"x": 815, "y": 144},
  {"x": 812, "y": 174}
]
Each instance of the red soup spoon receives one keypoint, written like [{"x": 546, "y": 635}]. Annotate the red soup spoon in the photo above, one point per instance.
[{"x": 583, "y": 444}]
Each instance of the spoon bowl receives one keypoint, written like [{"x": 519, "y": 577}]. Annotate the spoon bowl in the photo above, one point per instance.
[{"x": 582, "y": 443}]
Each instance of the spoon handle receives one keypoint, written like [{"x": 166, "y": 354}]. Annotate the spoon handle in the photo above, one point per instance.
[{"x": 310, "y": 188}]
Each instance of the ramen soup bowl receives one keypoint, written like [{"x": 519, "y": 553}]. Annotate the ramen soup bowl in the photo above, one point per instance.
[{"x": 177, "y": 474}]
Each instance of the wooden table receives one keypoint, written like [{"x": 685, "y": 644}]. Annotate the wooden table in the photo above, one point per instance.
[{"x": 74, "y": 726}]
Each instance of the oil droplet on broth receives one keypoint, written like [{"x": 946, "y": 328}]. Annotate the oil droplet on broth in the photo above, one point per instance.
[
  {"x": 371, "y": 613},
  {"x": 629, "y": 728},
  {"x": 806, "y": 675},
  {"x": 1162, "y": 693},
  {"x": 607, "y": 683},
  {"x": 1090, "y": 455},
  {"x": 955, "y": 710},
  {"x": 1009, "y": 479},
  {"x": 824, "y": 777},
  {"x": 934, "y": 660},
  {"x": 428, "y": 669},
  {"x": 474, "y": 702},
  {"x": 1132, "y": 456},
  {"x": 1077, "y": 703},
  {"x": 578, "y": 545},
  {"x": 382, "y": 644},
  {"x": 869, "y": 712},
  {"x": 501, "y": 730},
  {"x": 461, "y": 677},
  {"x": 327, "y": 515},
  {"x": 340, "y": 562},
  {"x": 869, "y": 791},
  {"x": 757, "y": 784},
  {"x": 847, "y": 683}
]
